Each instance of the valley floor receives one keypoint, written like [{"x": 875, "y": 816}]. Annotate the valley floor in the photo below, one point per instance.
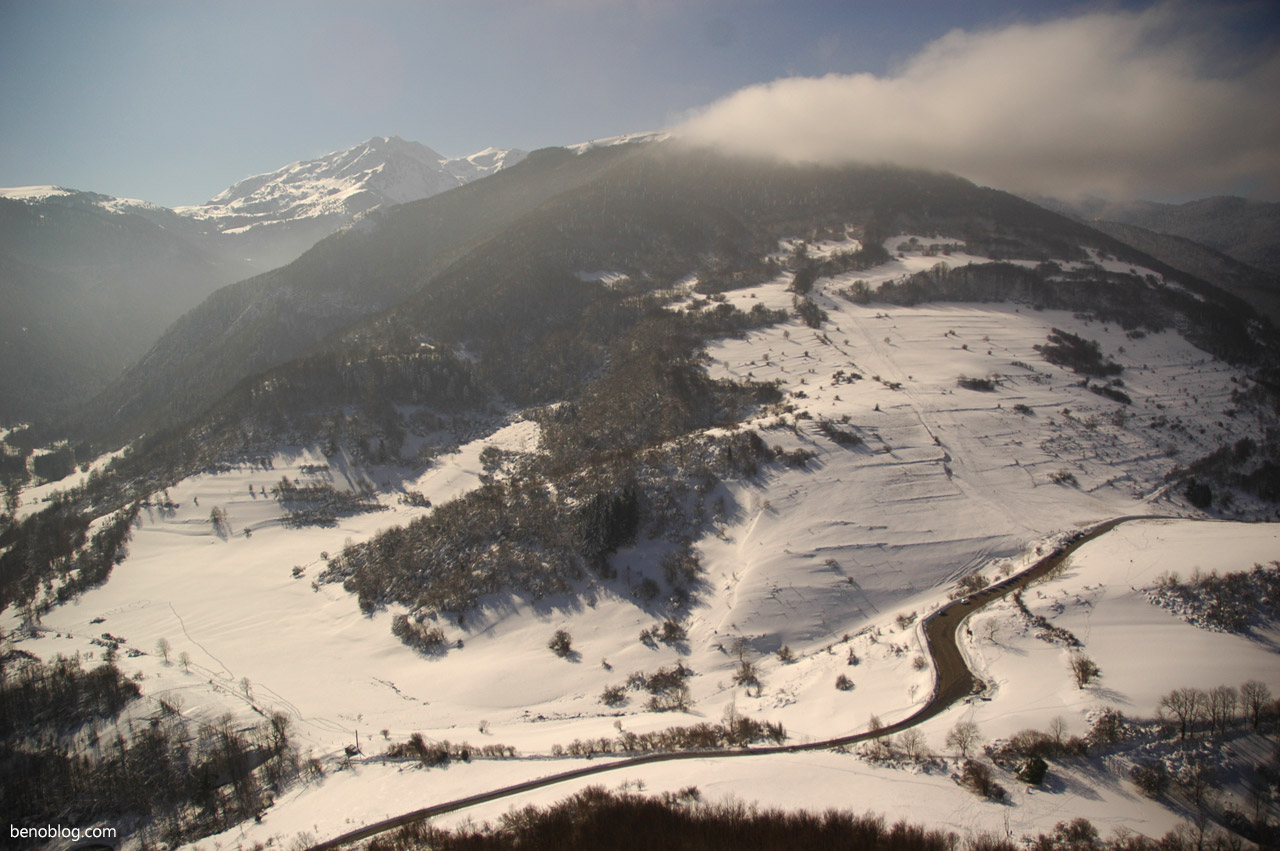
[{"x": 844, "y": 555}]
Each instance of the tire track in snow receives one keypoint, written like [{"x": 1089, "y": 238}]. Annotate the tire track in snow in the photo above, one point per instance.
[{"x": 183, "y": 626}]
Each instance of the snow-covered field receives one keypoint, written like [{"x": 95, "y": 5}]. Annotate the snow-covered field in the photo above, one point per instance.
[
  {"x": 821, "y": 558},
  {"x": 1144, "y": 651}
]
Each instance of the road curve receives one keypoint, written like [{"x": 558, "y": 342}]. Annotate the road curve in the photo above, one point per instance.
[{"x": 953, "y": 683}]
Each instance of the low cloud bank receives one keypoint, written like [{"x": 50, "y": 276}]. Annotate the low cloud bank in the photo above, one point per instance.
[{"x": 1155, "y": 103}]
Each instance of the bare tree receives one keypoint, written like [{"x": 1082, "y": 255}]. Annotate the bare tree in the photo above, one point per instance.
[
  {"x": 280, "y": 725},
  {"x": 963, "y": 736},
  {"x": 1199, "y": 784},
  {"x": 1254, "y": 697},
  {"x": 746, "y": 675},
  {"x": 1259, "y": 798},
  {"x": 184, "y": 659},
  {"x": 1223, "y": 701},
  {"x": 162, "y": 648},
  {"x": 1184, "y": 705},
  {"x": 913, "y": 744},
  {"x": 1058, "y": 728}
]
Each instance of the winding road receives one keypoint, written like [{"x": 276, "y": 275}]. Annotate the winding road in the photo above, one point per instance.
[{"x": 954, "y": 683}]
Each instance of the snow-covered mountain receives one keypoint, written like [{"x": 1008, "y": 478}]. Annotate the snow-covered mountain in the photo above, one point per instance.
[
  {"x": 342, "y": 185},
  {"x": 118, "y": 271},
  {"x": 337, "y": 187},
  {"x": 63, "y": 196},
  {"x": 89, "y": 282}
]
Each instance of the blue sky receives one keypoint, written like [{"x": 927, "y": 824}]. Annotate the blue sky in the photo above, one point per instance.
[{"x": 172, "y": 102}]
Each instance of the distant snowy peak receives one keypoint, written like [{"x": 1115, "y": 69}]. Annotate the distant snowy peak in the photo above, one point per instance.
[
  {"x": 340, "y": 186},
  {"x": 35, "y": 193},
  {"x": 63, "y": 196}
]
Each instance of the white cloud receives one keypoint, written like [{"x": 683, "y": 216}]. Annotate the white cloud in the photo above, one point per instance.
[{"x": 1159, "y": 102}]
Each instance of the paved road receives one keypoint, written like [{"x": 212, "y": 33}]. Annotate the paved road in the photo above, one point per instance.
[{"x": 954, "y": 682}]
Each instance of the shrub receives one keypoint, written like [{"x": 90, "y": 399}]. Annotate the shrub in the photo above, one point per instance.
[
  {"x": 838, "y": 435},
  {"x": 746, "y": 674},
  {"x": 843, "y": 683},
  {"x": 794, "y": 458},
  {"x": 1151, "y": 778},
  {"x": 672, "y": 632},
  {"x": 977, "y": 778},
  {"x": 1033, "y": 744},
  {"x": 415, "y": 499},
  {"x": 648, "y": 590},
  {"x": 681, "y": 568},
  {"x": 1229, "y": 602},
  {"x": 1076, "y": 835},
  {"x": 613, "y": 696},
  {"x": 1112, "y": 393},
  {"x": 809, "y": 313},
  {"x": 417, "y": 635},
  {"x": 1080, "y": 355},
  {"x": 1108, "y": 728},
  {"x": 1199, "y": 494},
  {"x": 1030, "y": 743},
  {"x": 560, "y": 643},
  {"x": 1083, "y": 669},
  {"x": 666, "y": 685},
  {"x": 1033, "y": 771},
  {"x": 971, "y": 584},
  {"x": 673, "y": 699}
]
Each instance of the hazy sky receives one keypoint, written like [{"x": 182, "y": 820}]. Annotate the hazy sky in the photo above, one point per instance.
[{"x": 172, "y": 102}]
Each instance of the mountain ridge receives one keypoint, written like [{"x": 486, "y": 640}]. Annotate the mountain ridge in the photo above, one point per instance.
[
  {"x": 140, "y": 265},
  {"x": 451, "y": 271},
  {"x": 381, "y": 171},
  {"x": 1241, "y": 228}
]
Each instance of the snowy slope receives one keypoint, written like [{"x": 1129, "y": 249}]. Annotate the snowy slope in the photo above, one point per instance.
[
  {"x": 379, "y": 172},
  {"x": 822, "y": 558},
  {"x": 624, "y": 139}
]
